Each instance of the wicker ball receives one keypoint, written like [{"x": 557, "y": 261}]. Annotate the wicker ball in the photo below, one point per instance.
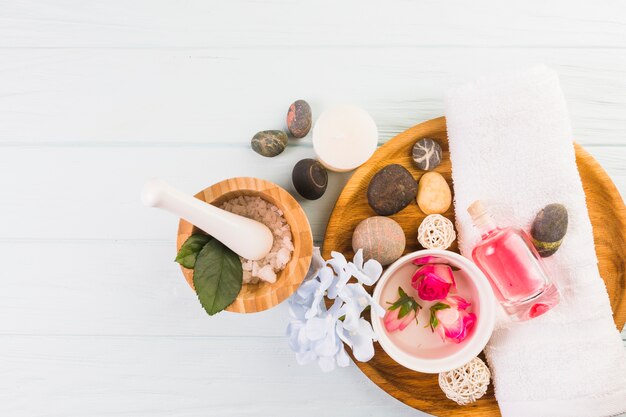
[
  {"x": 436, "y": 232},
  {"x": 466, "y": 384}
]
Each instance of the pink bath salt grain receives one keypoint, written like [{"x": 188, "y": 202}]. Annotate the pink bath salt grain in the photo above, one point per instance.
[{"x": 256, "y": 208}]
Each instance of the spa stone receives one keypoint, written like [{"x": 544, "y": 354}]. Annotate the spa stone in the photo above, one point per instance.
[
  {"x": 309, "y": 178},
  {"x": 381, "y": 238},
  {"x": 391, "y": 189},
  {"x": 269, "y": 143},
  {"x": 299, "y": 119},
  {"x": 426, "y": 154},
  {"x": 549, "y": 229}
]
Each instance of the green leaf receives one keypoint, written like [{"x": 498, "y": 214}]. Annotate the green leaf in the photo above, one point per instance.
[
  {"x": 439, "y": 306},
  {"x": 189, "y": 250},
  {"x": 217, "y": 277},
  {"x": 404, "y": 310},
  {"x": 433, "y": 319}
]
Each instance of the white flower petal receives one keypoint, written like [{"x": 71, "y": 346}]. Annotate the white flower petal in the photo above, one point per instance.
[
  {"x": 342, "y": 358},
  {"x": 317, "y": 263},
  {"x": 316, "y": 328},
  {"x": 327, "y": 346},
  {"x": 362, "y": 342},
  {"x": 339, "y": 282},
  {"x": 358, "y": 259},
  {"x": 305, "y": 357},
  {"x": 326, "y": 363},
  {"x": 373, "y": 269}
]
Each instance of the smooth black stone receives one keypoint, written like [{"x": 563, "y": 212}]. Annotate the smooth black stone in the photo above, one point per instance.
[{"x": 310, "y": 179}]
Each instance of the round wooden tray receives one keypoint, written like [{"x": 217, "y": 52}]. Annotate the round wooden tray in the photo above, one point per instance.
[{"x": 421, "y": 391}]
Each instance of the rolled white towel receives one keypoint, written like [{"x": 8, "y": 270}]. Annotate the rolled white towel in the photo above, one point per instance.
[{"x": 511, "y": 144}]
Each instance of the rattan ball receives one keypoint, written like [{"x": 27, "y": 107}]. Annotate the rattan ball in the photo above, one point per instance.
[
  {"x": 466, "y": 384},
  {"x": 436, "y": 232}
]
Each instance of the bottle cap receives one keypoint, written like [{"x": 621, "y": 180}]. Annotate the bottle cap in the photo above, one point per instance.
[{"x": 476, "y": 209}]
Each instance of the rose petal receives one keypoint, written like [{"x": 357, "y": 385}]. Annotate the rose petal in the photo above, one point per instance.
[
  {"x": 391, "y": 320},
  {"x": 406, "y": 320}
]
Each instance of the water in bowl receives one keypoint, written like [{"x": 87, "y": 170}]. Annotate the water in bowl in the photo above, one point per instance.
[{"x": 417, "y": 340}]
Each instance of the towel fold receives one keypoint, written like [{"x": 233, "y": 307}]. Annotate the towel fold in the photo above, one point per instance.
[{"x": 511, "y": 145}]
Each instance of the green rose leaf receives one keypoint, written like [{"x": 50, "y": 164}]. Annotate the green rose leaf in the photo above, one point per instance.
[
  {"x": 434, "y": 322},
  {"x": 189, "y": 250},
  {"x": 217, "y": 277}
]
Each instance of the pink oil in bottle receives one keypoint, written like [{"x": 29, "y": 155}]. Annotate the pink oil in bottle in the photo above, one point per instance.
[{"x": 514, "y": 268}]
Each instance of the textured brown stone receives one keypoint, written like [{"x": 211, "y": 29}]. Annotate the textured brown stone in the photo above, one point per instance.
[
  {"x": 381, "y": 238},
  {"x": 299, "y": 119},
  {"x": 391, "y": 189},
  {"x": 269, "y": 142}
]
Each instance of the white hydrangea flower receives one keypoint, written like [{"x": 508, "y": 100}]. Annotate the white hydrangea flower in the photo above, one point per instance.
[
  {"x": 356, "y": 300},
  {"x": 366, "y": 274},
  {"x": 316, "y": 333}
]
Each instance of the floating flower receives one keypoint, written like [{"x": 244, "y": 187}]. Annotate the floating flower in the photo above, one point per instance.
[
  {"x": 402, "y": 312},
  {"x": 433, "y": 281},
  {"x": 451, "y": 320}
]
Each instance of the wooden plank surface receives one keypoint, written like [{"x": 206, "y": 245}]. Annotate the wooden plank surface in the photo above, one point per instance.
[{"x": 95, "y": 318}]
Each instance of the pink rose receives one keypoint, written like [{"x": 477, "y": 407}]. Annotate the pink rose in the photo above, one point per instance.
[
  {"x": 401, "y": 312},
  {"x": 433, "y": 281},
  {"x": 451, "y": 320},
  {"x": 393, "y": 322}
]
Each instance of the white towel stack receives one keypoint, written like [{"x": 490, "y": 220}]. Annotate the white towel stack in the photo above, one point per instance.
[{"x": 511, "y": 144}]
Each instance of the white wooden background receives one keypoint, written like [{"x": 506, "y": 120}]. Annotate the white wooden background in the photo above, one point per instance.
[{"x": 98, "y": 96}]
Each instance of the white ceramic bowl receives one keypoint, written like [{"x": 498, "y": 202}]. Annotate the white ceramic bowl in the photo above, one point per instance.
[{"x": 430, "y": 355}]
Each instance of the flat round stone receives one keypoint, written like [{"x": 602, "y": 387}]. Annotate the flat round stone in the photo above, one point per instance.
[
  {"x": 269, "y": 142},
  {"x": 391, "y": 189},
  {"x": 426, "y": 154}
]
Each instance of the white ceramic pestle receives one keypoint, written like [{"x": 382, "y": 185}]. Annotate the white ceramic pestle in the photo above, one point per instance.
[{"x": 246, "y": 237}]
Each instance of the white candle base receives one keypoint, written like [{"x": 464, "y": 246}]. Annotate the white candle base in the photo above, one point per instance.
[{"x": 344, "y": 138}]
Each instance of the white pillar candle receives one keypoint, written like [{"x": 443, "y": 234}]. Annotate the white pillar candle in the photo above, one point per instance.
[{"x": 344, "y": 137}]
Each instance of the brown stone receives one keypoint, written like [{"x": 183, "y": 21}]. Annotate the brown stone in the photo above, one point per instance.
[
  {"x": 391, "y": 189},
  {"x": 381, "y": 238},
  {"x": 299, "y": 119}
]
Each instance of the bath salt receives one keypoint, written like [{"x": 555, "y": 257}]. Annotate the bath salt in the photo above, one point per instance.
[{"x": 256, "y": 208}]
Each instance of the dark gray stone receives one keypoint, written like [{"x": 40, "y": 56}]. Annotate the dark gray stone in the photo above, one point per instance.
[
  {"x": 391, "y": 189},
  {"x": 269, "y": 142},
  {"x": 427, "y": 154},
  {"x": 310, "y": 179},
  {"x": 549, "y": 229}
]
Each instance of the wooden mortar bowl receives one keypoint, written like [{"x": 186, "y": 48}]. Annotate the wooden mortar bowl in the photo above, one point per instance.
[{"x": 262, "y": 296}]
